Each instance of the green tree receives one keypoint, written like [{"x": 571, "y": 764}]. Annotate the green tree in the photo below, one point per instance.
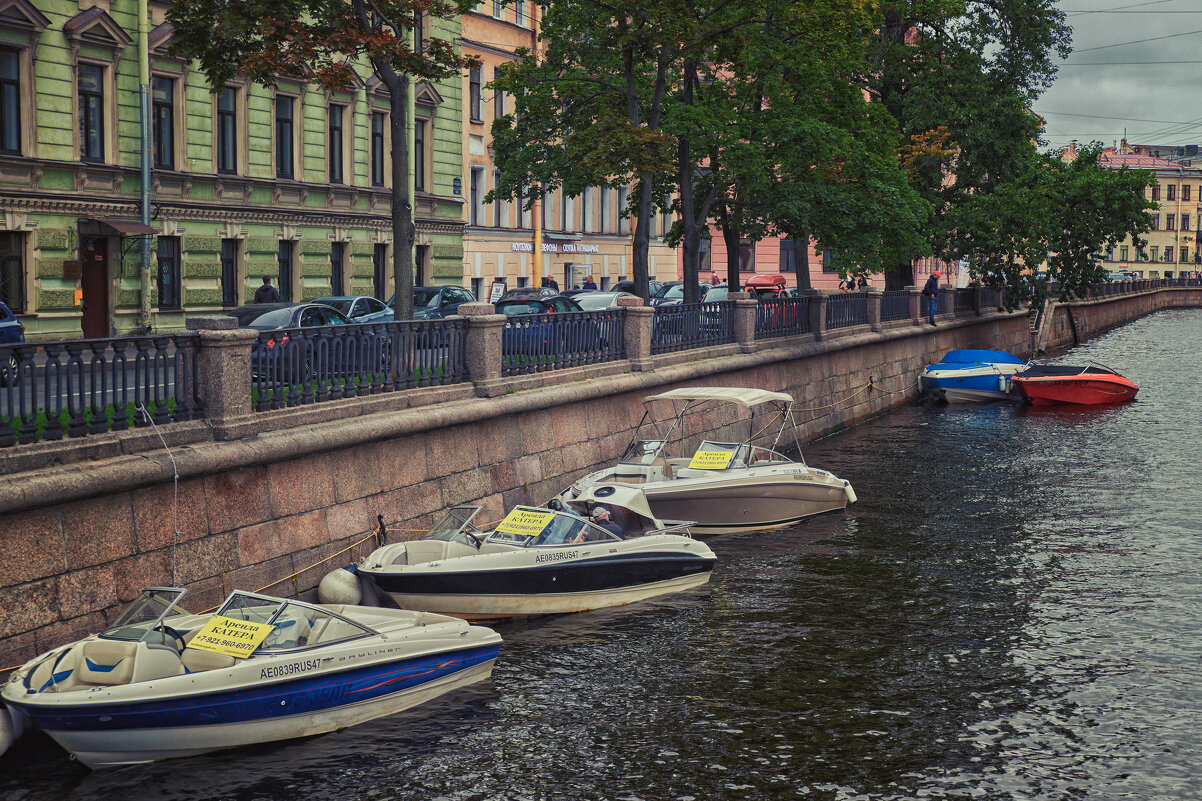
[{"x": 321, "y": 41}]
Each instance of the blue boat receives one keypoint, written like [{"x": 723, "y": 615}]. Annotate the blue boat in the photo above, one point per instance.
[{"x": 973, "y": 375}]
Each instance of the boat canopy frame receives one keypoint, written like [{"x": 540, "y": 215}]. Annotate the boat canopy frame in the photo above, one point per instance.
[{"x": 697, "y": 398}]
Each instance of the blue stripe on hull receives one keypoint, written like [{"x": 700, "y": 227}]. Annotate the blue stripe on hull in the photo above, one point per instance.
[{"x": 272, "y": 699}]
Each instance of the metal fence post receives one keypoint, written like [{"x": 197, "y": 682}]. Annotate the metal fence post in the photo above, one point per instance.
[
  {"x": 482, "y": 347},
  {"x": 223, "y": 379},
  {"x": 636, "y": 332}
]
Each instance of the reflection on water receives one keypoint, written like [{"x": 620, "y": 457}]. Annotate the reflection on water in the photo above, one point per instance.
[{"x": 1009, "y": 612}]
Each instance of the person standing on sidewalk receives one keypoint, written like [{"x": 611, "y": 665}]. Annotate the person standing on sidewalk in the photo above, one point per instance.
[
  {"x": 267, "y": 293},
  {"x": 931, "y": 290}
]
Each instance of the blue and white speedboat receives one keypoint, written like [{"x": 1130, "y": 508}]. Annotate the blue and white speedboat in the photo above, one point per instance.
[
  {"x": 973, "y": 375},
  {"x": 149, "y": 687}
]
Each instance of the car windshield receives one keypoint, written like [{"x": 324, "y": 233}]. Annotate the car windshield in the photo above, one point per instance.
[
  {"x": 144, "y": 613},
  {"x": 515, "y": 307},
  {"x": 663, "y": 289},
  {"x": 590, "y": 301},
  {"x": 674, "y": 291},
  {"x": 341, "y": 304},
  {"x": 425, "y": 298},
  {"x": 277, "y": 318}
]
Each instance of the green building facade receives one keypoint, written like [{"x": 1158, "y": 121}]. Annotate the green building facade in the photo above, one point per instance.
[{"x": 289, "y": 181}]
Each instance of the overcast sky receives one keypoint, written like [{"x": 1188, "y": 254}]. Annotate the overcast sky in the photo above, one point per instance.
[{"x": 1135, "y": 67}]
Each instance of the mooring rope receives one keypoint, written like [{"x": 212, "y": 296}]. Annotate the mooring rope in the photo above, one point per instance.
[{"x": 141, "y": 407}]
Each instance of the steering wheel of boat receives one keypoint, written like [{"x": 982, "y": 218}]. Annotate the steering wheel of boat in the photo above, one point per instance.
[{"x": 180, "y": 645}]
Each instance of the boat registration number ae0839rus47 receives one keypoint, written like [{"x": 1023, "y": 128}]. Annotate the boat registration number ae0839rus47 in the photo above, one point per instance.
[{"x": 161, "y": 682}]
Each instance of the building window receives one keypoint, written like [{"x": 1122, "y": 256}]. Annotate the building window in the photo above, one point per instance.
[
  {"x": 419, "y": 33},
  {"x": 10, "y": 101},
  {"x": 334, "y": 142},
  {"x": 523, "y": 281},
  {"x": 746, "y": 256},
  {"x": 419, "y": 155},
  {"x": 500, "y": 209},
  {"x": 1168, "y": 254},
  {"x": 606, "y": 194},
  {"x": 826, "y": 261},
  {"x": 1170, "y": 222},
  {"x": 379, "y": 272},
  {"x": 473, "y": 93},
  {"x": 1184, "y": 222},
  {"x": 788, "y": 256},
  {"x": 12, "y": 270},
  {"x": 284, "y": 127},
  {"x": 1156, "y": 192},
  {"x": 1171, "y": 192},
  {"x": 284, "y": 259},
  {"x": 519, "y": 13},
  {"x": 229, "y": 273},
  {"x": 337, "y": 259},
  {"x": 588, "y": 210},
  {"x": 1155, "y": 222},
  {"x": 623, "y": 209},
  {"x": 1184, "y": 256},
  {"x": 227, "y": 131},
  {"x": 498, "y": 97},
  {"x": 498, "y": 9},
  {"x": 1185, "y": 193},
  {"x": 1155, "y": 253},
  {"x": 477, "y": 286},
  {"x": 91, "y": 112},
  {"x": 163, "y": 123},
  {"x": 477, "y": 196},
  {"x": 377, "y": 148},
  {"x": 1123, "y": 253},
  {"x": 568, "y": 212},
  {"x": 168, "y": 272}
]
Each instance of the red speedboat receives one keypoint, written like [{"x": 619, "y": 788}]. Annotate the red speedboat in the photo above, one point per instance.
[{"x": 1046, "y": 385}]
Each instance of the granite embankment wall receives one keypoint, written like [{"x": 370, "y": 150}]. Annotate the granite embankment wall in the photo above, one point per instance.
[{"x": 78, "y": 539}]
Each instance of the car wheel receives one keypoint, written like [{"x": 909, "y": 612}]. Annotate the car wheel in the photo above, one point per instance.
[{"x": 9, "y": 372}]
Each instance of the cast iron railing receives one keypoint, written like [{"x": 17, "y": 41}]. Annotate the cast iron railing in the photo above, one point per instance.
[
  {"x": 895, "y": 305},
  {"x": 782, "y": 317},
  {"x": 963, "y": 301},
  {"x": 310, "y": 365},
  {"x": 846, "y": 309},
  {"x": 76, "y": 387},
  {"x": 533, "y": 343},
  {"x": 692, "y": 325}
]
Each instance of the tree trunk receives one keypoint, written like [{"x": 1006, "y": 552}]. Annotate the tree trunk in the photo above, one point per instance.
[
  {"x": 730, "y": 235},
  {"x": 803, "y": 262},
  {"x": 403, "y": 230},
  {"x": 691, "y": 239},
  {"x": 642, "y": 240},
  {"x": 899, "y": 277}
]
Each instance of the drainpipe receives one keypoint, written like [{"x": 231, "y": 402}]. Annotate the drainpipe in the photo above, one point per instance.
[
  {"x": 536, "y": 211},
  {"x": 144, "y": 106},
  {"x": 411, "y": 133}
]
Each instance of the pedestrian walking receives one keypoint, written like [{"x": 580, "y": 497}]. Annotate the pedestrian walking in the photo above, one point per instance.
[
  {"x": 931, "y": 290},
  {"x": 861, "y": 283},
  {"x": 267, "y": 293},
  {"x": 589, "y": 283},
  {"x": 550, "y": 283}
]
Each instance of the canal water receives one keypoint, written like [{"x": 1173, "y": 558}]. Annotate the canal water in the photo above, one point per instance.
[{"x": 1011, "y": 611}]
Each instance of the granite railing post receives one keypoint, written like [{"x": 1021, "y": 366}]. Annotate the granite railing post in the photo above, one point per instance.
[
  {"x": 817, "y": 313},
  {"x": 915, "y": 305},
  {"x": 744, "y": 321},
  {"x": 223, "y": 380},
  {"x": 976, "y": 301},
  {"x": 482, "y": 347},
  {"x": 875, "y": 298},
  {"x": 637, "y": 332}
]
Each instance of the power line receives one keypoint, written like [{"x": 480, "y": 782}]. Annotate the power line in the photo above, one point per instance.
[
  {"x": 1126, "y": 63},
  {"x": 1117, "y": 8},
  {"x": 1138, "y": 41},
  {"x": 1123, "y": 119}
]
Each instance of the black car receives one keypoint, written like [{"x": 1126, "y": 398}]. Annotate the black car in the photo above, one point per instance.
[
  {"x": 429, "y": 303},
  {"x": 528, "y": 292},
  {"x": 12, "y": 332},
  {"x": 271, "y": 316},
  {"x": 542, "y": 336},
  {"x": 672, "y": 293},
  {"x": 278, "y": 358},
  {"x": 628, "y": 286}
]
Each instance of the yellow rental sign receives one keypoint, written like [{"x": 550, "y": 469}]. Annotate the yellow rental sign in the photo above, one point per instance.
[
  {"x": 711, "y": 460},
  {"x": 225, "y": 635},
  {"x": 525, "y": 522}
]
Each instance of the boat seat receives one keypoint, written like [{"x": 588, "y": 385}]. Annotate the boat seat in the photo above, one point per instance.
[
  {"x": 425, "y": 551},
  {"x": 107, "y": 662},
  {"x": 195, "y": 660}
]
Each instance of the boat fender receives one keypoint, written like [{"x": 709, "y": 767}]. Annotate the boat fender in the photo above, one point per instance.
[
  {"x": 851, "y": 493},
  {"x": 367, "y": 592},
  {"x": 340, "y": 586}
]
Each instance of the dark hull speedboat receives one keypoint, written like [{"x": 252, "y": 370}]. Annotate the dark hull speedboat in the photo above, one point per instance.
[{"x": 1092, "y": 385}]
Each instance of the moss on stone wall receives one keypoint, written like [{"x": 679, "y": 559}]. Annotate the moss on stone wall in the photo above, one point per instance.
[
  {"x": 202, "y": 244},
  {"x": 310, "y": 292},
  {"x": 260, "y": 245},
  {"x": 56, "y": 300},
  {"x": 55, "y": 239},
  {"x": 202, "y": 269},
  {"x": 202, "y": 297},
  {"x": 314, "y": 246}
]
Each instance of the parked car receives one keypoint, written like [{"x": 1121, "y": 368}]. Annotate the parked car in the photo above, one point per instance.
[
  {"x": 355, "y": 307},
  {"x": 529, "y": 292},
  {"x": 600, "y": 300},
  {"x": 672, "y": 293},
  {"x": 12, "y": 332},
  {"x": 716, "y": 293},
  {"x": 271, "y": 359},
  {"x": 539, "y": 336},
  {"x": 628, "y": 286},
  {"x": 429, "y": 303}
]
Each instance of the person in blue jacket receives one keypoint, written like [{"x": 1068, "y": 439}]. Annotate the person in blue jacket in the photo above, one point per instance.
[{"x": 931, "y": 290}]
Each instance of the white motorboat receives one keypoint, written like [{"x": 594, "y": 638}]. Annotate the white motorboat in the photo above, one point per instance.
[
  {"x": 535, "y": 562},
  {"x": 723, "y": 487},
  {"x": 161, "y": 683}
]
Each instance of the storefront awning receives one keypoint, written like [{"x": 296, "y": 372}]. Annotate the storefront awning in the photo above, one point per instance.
[{"x": 99, "y": 226}]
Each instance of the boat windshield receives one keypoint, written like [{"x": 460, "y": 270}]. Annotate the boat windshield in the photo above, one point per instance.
[
  {"x": 717, "y": 455},
  {"x": 297, "y": 624},
  {"x": 643, "y": 451},
  {"x": 528, "y": 527},
  {"x": 144, "y": 613},
  {"x": 451, "y": 528}
]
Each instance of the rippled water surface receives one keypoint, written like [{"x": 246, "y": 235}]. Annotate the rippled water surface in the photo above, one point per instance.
[{"x": 1011, "y": 611}]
